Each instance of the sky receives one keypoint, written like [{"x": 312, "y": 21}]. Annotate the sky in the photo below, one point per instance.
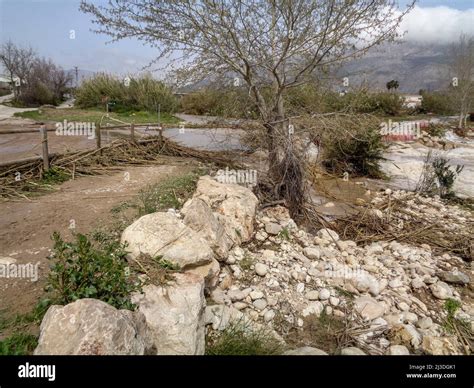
[{"x": 46, "y": 26}]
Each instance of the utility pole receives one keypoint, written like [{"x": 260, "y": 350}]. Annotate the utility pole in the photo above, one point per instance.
[{"x": 76, "y": 70}]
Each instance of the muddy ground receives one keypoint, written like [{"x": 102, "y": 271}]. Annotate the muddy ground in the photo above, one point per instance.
[{"x": 26, "y": 225}]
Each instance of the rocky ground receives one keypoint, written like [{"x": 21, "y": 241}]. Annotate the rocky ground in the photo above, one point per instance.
[
  {"x": 315, "y": 293},
  {"x": 392, "y": 292}
]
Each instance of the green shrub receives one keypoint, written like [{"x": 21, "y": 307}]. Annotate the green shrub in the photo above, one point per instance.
[
  {"x": 445, "y": 175},
  {"x": 38, "y": 94},
  {"x": 352, "y": 144},
  {"x": 219, "y": 101},
  {"x": 18, "y": 344},
  {"x": 437, "y": 176},
  {"x": 55, "y": 175},
  {"x": 451, "y": 306},
  {"x": 82, "y": 269},
  {"x": 387, "y": 103},
  {"x": 171, "y": 193},
  {"x": 247, "y": 262},
  {"x": 311, "y": 99},
  {"x": 143, "y": 93},
  {"x": 435, "y": 102}
]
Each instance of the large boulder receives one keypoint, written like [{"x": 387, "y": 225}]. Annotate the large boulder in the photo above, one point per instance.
[
  {"x": 174, "y": 315},
  {"x": 210, "y": 272},
  {"x": 163, "y": 234},
  {"x": 91, "y": 327},
  {"x": 199, "y": 216},
  {"x": 233, "y": 205}
]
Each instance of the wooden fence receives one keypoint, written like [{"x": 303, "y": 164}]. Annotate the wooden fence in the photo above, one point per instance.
[{"x": 46, "y": 155}]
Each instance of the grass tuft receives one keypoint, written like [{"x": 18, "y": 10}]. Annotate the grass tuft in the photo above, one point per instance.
[{"x": 240, "y": 339}]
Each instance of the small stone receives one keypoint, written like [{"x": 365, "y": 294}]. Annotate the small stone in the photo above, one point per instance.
[
  {"x": 398, "y": 350},
  {"x": 334, "y": 301},
  {"x": 441, "y": 290},
  {"x": 256, "y": 295},
  {"x": 272, "y": 300},
  {"x": 300, "y": 288},
  {"x": 260, "y": 304},
  {"x": 273, "y": 228},
  {"x": 305, "y": 351},
  {"x": 314, "y": 308},
  {"x": 312, "y": 253},
  {"x": 324, "y": 294},
  {"x": 261, "y": 269},
  {"x": 403, "y": 306},
  {"x": 218, "y": 295},
  {"x": 425, "y": 323},
  {"x": 236, "y": 295},
  {"x": 352, "y": 351},
  {"x": 312, "y": 295},
  {"x": 395, "y": 283},
  {"x": 328, "y": 235},
  {"x": 408, "y": 317},
  {"x": 240, "y": 305},
  {"x": 365, "y": 282},
  {"x": 454, "y": 277},
  {"x": 368, "y": 308},
  {"x": 417, "y": 283},
  {"x": 269, "y": 315},
  {"x": 394, "y": 319}
]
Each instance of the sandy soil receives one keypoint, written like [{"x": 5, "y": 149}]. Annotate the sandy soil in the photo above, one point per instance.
[{"x": 26, "y": 226}]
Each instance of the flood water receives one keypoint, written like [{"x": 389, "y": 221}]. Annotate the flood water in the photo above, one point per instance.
[{"x": 210, "y": 139}]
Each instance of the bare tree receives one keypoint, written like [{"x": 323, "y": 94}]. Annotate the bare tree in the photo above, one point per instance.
[
  {"x": 8, "y": 58},
  {"x": 461, "y": 68},
  {"x": 17, "y": 61},
  {"x": 270, "y": 45}
]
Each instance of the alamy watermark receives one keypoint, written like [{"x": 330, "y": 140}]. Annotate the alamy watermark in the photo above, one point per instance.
[
  {"x": 242, "y": 177},
  {"x": 19, "y": 271},
  {"x": 346, "y": 273},
  {"x": 67, "y": 128},
  {"x": 405, "y": 130}
]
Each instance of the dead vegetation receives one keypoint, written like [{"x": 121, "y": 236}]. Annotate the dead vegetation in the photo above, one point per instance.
[
  {"x": 19, "y": 179},
  {"x": 157, "y": 270},
  {"x": 393, "y": 220},
  {"x": 332, "y": 334}
]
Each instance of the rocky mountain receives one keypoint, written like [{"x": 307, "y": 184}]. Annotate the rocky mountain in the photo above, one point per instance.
[{"x": 415, "y": 66}]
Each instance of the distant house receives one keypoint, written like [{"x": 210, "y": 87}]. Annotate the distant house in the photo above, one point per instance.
[
  {"x": 5, "y": 82},
  {"x": 412, "y": 100}
]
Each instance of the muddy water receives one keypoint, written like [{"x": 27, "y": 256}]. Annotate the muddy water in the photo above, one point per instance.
[{"x": 210, "y": 139}]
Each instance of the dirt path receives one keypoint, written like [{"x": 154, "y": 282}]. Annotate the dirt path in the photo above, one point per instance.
[
  {"x": 26, "y": 226},
  {"x": 8, "y": 111}
]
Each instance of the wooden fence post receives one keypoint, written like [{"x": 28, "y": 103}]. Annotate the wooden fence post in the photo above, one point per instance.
[
  {"x": 132, "y": 132},
  {"x": 44, "y": 140},
  {"x": 97, "y": 136}
]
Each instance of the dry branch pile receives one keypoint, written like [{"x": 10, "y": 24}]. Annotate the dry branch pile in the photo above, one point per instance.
[
  {"x": 413, "y": 219},
  {"x": 27, "y": 176}
]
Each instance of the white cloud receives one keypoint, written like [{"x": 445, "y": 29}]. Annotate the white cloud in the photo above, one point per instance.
[{"x": 437, "y": 24}]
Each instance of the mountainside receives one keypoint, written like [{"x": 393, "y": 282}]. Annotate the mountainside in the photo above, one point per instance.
[{"x": 414, "y": 66}]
